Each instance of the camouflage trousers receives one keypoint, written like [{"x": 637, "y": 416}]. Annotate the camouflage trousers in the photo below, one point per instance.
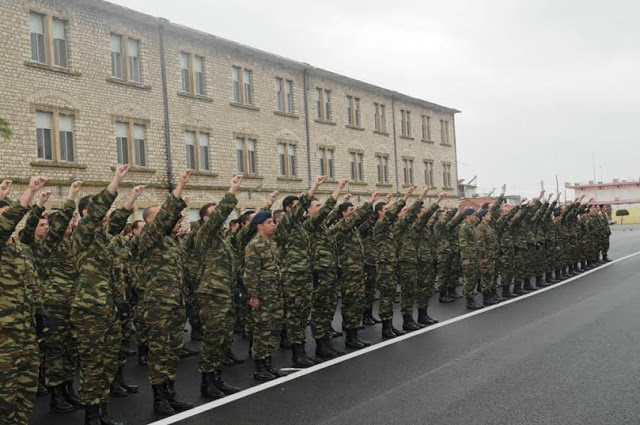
[
  {"x": 487, "y": 274},
  {"x": 61, "y": 352},
  {"x": 505, "y": 267},
  {"x": 218, "y": 319},
  {"x": 540, "y": 260},
  {"x": 298, "y": 298},
  {"x": 386, "y": 281},
  {"x": 352, "y": 287},
  {"x": 325, "y": 301},
  {"x": 426, "y": 283},
  {"x": 267, "y": 319},
  {"x": 19, "y": 361},
  {"x": 409, "y": 286},
  {"x": 445, "y": 271},
  {"x": 521, "y": 265},
  {"x": 369, "y": 285},
  {"x": 471, "y": 275},
  {"x": 138, "y": 321},
  {"x": 98, "y": 337},
  {"x": 192, "y": 298},
  {"x": 166, "y": 333},
  {"x": 128, "y": 330},
  {"x": 604, "y": 245}
]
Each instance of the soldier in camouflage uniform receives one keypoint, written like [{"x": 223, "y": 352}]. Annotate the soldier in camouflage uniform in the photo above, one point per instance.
[
  {"x": 44, "y": 235},
  {"x": 162, "y": 260},
  {"x": 215, "y": 295},
  {"x": 191, "y": 275},
  {"x": 470, "y": 257},
  {"x": 138, "y": 295},
  {"x": 605, "y": 235},
  {"x": 19, "y": 346},
  {"x": 387, "y": 261},
  {"x": 293, "y": 243},
  {"x": 445, "y": 229},
  {"x": 370, "y": 259},
  {"x": 352, "y": 225},
  {"x": 264, "y": 287},
  {"x": 487, "y": 249},
  {"x": 325, "y": 259}
]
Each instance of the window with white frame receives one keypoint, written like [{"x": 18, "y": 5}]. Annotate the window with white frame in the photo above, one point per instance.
[
  {"x": 325, "y": 158},
  {"x": 356, "y": 163},
  {"x": 59, "y": 43},
  {"x": 125, "y": 58},
  {"x": 444, "y": 132},
  {"x": 192, "y": 74},
  {"x": 383, "y": 168},
  {"x": 323, "y": 104},
  {"x": 54, "y": 136},
  {"x": 407, "y": 170},
  {"x": 446, "y": 175},
  {"x": 284, "y": 95},
  {"x": 197, "y": 149},
  {"x": 287, "y": 159},
  {"x": 131, "y": 143},
  {"x": 353, "y": 111},
  {"x": 38, "y": 42},
  {"x": 48, "y": 32},
  {"x": 379, "y": 117},
  {"x": 428, "y": 173},
  {"x": 242, "y": 85},
  {"x": 246, "y": 155},
  {"x": 405, "y": 122}
]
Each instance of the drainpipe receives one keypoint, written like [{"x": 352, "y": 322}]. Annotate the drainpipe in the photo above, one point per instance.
[
  {"x": 306, "y": 123},
  {"x": 395, "y": 143},
  {"x": 165, "y": 95}
]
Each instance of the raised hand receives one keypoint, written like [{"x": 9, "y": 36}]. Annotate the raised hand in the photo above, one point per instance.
[
  {"x": 5, "y": 187},
  {"x": 388, "y": 198},
  {"x": 133, "y": 196},
  {"x": 374, "y": 197},
  {"x": 74, "y": 189},
  {"x": 44, "y": 197},
  {"x": 235, "y": 183},
  {"x": 36, "y": 183},
  {"x": 272, "y": 197}
]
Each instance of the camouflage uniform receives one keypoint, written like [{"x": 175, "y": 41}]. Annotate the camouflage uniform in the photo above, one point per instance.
[
  {"x": 487, "y": 247},
  {"x": 468, "y": 251},
  {"x": 18, "y": 344},
  {"x": 387, "y": 259},
  {"x": 191, "y": 277},
  {"x": 162, "y": 260},
  {"x": 262, "y": 280},
  {"x": 421, "y": 239},
  {"x": 293, "y": 243},
  {"x": 94, "y": 318},
  {"x": 324, "y": 257},
  {"x": 370, "y": 261},
  {"x": 445, "y": 230},
  {"x": 506, "y": 248},
  {"x": 216, "y": 286},
  {"x": 408, "y": 257}
]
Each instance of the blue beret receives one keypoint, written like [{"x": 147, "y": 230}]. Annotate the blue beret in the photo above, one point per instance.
[
  {"x": 485, "y": 206},
  {"x": 468, "y": 211},
  {"x": 482, "y": 212},
  {"x": 260, "y": 217},
  {"x": 557, "y": 212}
]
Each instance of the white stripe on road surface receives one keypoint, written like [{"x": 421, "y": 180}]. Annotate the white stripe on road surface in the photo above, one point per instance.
[{"x": 303, "y": 372}]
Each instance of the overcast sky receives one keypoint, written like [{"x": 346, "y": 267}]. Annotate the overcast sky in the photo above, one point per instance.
[{"x": 543, "y": 85}]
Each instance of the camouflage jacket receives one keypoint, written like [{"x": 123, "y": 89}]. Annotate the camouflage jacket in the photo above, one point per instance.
[
  {"x": 407, "y": 251},
  {"x": 347, "y": 233},
  {"x": 486, "y": 241},
  {"x": 445, "y": 231},
  {"x": 384, "y": 236},
  {"x": 293, "y": 240},
  {"x": 218, "y": 260},
  {"x": 419, "y": 243},
  {"x": 162, "y": 256},
  {"x": 468, "y": 242},
  {"x": 262, "y": 277},
  {"x": 323, "y": 247}
]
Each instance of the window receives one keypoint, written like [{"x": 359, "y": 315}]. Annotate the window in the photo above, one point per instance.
[
  {"x": 325, "y": 156},
  {"x": 383, "y": 168},
  {"x": 405, "y": 121},
  {"x": 242, "y": 85},
  {"x": 287, "y": 156},
  {"x": 353, "y": 111},
  {"x": 428, "y": 173},
  {"x": 192, "y": 73},
  {"x": 446, "y": 175},
  {"x": 131, "y": 146},
  {"x": 357, "y": 166},
  {"x": 55, "y": 145},
  {"x": 197, "y": 145},
  {"x": 379, "y": 118},
  {"x": 407, "y": 170},
  {"x": 323, "y": 104},
  {"x": 426, "y": 128},
  {"x": 47, "y": 32},
  {"x": 444, "y": 132},
  {"x": 125, "y": 58},
  {"x": 246, "y": 155},
  {"x": 284, "y": 95}
]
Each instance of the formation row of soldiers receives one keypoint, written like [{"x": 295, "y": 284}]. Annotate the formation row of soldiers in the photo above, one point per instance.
[{"x": 70, "y": 291}]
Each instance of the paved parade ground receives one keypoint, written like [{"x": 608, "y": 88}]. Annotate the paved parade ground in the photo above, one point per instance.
[{"x": 567, "y": 354}]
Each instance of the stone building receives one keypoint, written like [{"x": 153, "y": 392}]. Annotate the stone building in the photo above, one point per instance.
[
  {"x": 617, "y": 194},
  {"x": 88, "y": 85}
]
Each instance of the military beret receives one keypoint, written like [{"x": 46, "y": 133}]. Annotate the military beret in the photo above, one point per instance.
[
  {"x": 468, "y": 211},
  {"x": 557, "y": 212},
  {"x": 485, "y": 206},
  {"x": 481, "y": 213},
  {"x": 260, "y": 217}
]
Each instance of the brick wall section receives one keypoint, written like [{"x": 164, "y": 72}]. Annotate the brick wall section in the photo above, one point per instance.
[{"x": 86, "y": 90}]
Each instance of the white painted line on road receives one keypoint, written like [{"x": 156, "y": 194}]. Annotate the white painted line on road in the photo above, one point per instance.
[{"x": 303, "y": 372}]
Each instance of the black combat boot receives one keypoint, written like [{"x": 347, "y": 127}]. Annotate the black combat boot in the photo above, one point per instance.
[
  {"x": 606, "y": 259},
  {"x": 174, "y": 401},
  {"x": 517, "y": 289},
  {"x": 336, "y": 351},
  {"x": 471, "y": 305},
  {"x": 424, "y": 319},
  {"x": 527, "y": 286},
  {"x": 565, "y": 273},
  {"x": 507, "y": 293},
  {"x": 444, "y": 297},
  {"x": 408, "y": 324},
  {"x": 487, "y": 298},
  {"x": 232, "y": 359},
  {"x": 160, "y": 403},
  {"x": 116, "y": 390},
  {"x": 559, "y": 277},
  {"x": 104, "y": 416},
  {"x": 550, "y": 279},
  {"x": 92, "y": 414},
  {"x": 71, "y": 395},
  {"x": 453, "y": 294},
  {"x": 323, "y": 349},
  {"x": 496, "y": 297},
  {"x": 128, "y": 386},
  {"x": 387, "y": 329},
  {"x": 335, "y": 333},
  {"x": 143, "y": 355},
  {"x": 268, "y": 364},
  {"x": 59, "y": 403},
  {"x": 540, "y": 282},
  {"x": 367, "y": 318},
  {"x": 260, "y": 371},
  {"x": 42, "y": 389},
  {"x": 208, "y": 389},
  {"x": 299, "y": 356},
  {"x": 352, "y": 341},
  {"x": 284, "y": 339},
  {"x": 196, "y": 333},
  {"x": 223, "y": 386}
]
